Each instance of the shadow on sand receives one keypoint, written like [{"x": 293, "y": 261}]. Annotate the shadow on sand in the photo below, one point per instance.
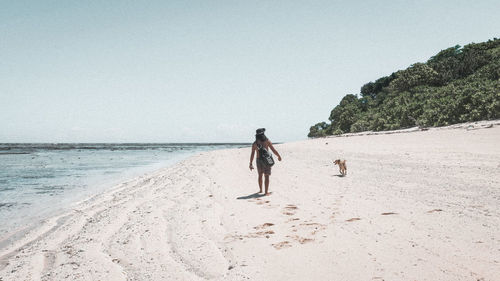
[{"x": 254, "y": 195}]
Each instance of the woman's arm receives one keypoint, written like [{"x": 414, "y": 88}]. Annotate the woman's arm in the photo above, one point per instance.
[
  {"x": 251, "y": 156},
  {"x": 274, "y": 150}
]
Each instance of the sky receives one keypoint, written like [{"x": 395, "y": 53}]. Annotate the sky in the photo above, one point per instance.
[{"x": 208, "y": 71}]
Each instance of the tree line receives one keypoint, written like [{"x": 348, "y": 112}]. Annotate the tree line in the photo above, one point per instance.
[{"x": 459, "y": 84}]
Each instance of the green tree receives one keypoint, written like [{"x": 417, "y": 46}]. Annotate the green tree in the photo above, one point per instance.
[
  {"x": 345, "y": 114},
  {"x": 456, "y": 85},
  {"x": 318, "y": 130}
]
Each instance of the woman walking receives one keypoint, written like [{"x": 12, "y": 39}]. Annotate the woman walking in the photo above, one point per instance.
[{"x": 261, "y": 146}]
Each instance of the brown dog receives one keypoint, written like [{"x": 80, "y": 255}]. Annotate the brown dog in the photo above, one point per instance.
[{"x": 342, "y": 166}]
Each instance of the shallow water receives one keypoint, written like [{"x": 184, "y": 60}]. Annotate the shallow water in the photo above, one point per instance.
[{"x": 37, "y": 180}]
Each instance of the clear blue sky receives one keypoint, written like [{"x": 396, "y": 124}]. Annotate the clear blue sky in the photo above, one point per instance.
[{"x": 203, "y": 71}]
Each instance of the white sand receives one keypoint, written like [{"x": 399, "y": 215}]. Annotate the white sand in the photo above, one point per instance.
[{"x": 414, "y": 206}]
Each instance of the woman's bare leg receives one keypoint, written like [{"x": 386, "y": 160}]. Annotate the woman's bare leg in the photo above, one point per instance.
[
  {"x": 260, "y": 182},
  {"x": 267, "y": 184}
]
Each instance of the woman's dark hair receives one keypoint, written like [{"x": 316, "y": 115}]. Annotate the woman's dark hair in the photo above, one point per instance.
[
  {"x": 259, "y": 134},
  {"x": 260, "y": 137}
]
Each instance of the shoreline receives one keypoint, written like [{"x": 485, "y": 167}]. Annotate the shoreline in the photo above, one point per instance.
[
  {"x": 13, "y": 236},
  {"x": 417, "y": 205},
  {"x": 21, "y": 223}
]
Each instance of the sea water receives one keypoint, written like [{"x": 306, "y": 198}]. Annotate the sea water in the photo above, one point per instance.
[{"x": 38, "y": 180}]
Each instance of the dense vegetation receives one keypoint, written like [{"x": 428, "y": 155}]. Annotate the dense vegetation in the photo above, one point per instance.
[{"x": 456, "y": 85}]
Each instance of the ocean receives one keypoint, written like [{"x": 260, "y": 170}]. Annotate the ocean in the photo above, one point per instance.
[{"x": 40, "y": 180}]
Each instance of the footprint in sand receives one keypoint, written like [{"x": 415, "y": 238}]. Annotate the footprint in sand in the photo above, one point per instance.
[
  {"x": 289, "y": 210},
  {"x": 309, "y": 229},
  {"x": 258, "y": 234},
  {"x": 282, "y": 245},
  {"x": 292, "y": 219},
  {"x": 353, "y": 219},
  {"x": 262, "y": 233},
  {"x": 301, "y": 240},
  {"x": 313, "y": 227},
  {"x": 264, "y": 225}
]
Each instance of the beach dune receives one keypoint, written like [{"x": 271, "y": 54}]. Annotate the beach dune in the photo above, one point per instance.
[{"x": 414, "y": 206}]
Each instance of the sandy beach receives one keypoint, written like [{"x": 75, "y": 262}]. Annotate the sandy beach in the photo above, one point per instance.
[{"x": 421, "y": 205}]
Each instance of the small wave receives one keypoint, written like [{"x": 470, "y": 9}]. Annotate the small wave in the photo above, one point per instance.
[
  {"x": 49, "y": 188},
  {"x": 38, "y": 176},
  {"x": 7, "y": 205},
  {"x": 49, "y": 192}
]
